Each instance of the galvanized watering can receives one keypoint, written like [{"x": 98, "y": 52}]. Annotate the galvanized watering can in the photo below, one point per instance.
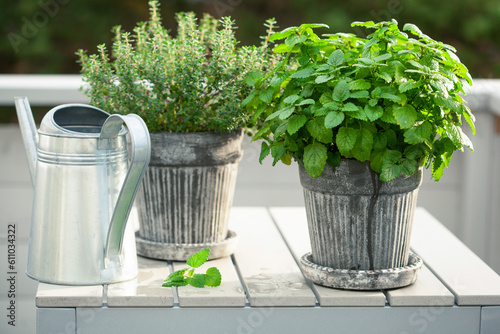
[{"x": 84, "y": 188}]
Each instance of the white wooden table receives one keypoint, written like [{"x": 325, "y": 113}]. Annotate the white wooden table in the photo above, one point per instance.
[{"x": 263, "y": 291}]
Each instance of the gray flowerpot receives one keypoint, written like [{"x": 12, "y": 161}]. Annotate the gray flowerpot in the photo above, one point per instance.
[
  {"x": 187, "y": 194},
  {"x": 356, "y": 222}
]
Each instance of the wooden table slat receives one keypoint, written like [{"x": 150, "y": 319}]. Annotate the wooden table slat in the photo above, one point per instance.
[
  {"x": 490, "y": 319},
  {"x": 426, "y": 291},
  {"x": 463, "y": 272},
  {"x": 55, "y": 320},
  {"x": 145, "y": 289},
  {"x": 292, "y": 223},
  {"x": 52, "y": 295},
  {"x": 280, "y": 320},
  {"x": 269, "y": 272}
]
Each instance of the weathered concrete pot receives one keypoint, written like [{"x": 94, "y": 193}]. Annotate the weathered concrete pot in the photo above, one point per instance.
[
  {"x": 358, "y": 223},
  {"x": 187, "y": 194}
]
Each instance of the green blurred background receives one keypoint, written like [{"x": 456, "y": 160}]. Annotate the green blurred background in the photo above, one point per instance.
[{"x": 41, "y": 36}]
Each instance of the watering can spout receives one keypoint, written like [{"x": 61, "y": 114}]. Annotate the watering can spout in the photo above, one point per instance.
[{"x": 28, "y": 132}]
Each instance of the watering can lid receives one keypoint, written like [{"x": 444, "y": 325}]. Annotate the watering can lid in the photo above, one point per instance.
[{"x": 75, "y": 120}]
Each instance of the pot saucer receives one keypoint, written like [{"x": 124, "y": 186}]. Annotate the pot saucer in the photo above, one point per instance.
[
  {"x": 182, "y": 252},
  {"x": 361, "y": 279}
]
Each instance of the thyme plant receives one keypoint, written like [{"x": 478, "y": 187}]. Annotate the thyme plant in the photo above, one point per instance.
[
  {"x": 193, "y": 82},
  {"x": 392, "y": 98}
]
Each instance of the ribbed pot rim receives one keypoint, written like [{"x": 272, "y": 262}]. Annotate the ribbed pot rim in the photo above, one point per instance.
[
  {"x": 353, "y": 177},
  {"x": 196, "y": 149}
]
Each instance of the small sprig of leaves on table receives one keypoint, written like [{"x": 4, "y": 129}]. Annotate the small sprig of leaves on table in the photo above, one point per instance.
[
  {"x": 392, "y": 98},
  {"x": 186, "y": 276}
]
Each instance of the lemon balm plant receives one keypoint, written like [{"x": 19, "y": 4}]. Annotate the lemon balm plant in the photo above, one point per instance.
[
  {"x": 362, "y": 117},
  {"x": 188, "y": 89},
  {"x": 392, "y": 98}
]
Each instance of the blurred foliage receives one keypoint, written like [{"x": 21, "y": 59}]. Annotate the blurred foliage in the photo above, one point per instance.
[{"x": 43, "y": 35}]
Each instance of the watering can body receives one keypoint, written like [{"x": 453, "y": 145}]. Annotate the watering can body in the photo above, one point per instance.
[{"x": 84, "y": 187}]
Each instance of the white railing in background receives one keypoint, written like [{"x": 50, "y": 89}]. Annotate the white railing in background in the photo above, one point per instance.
[
  {"x": 466, "y": 200},
  {"x": 53, "y": 89},
  {"x": 41, "y": 89}
]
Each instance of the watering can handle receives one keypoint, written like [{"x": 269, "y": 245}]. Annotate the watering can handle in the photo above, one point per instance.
[{"x": 141, "y": 153}]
